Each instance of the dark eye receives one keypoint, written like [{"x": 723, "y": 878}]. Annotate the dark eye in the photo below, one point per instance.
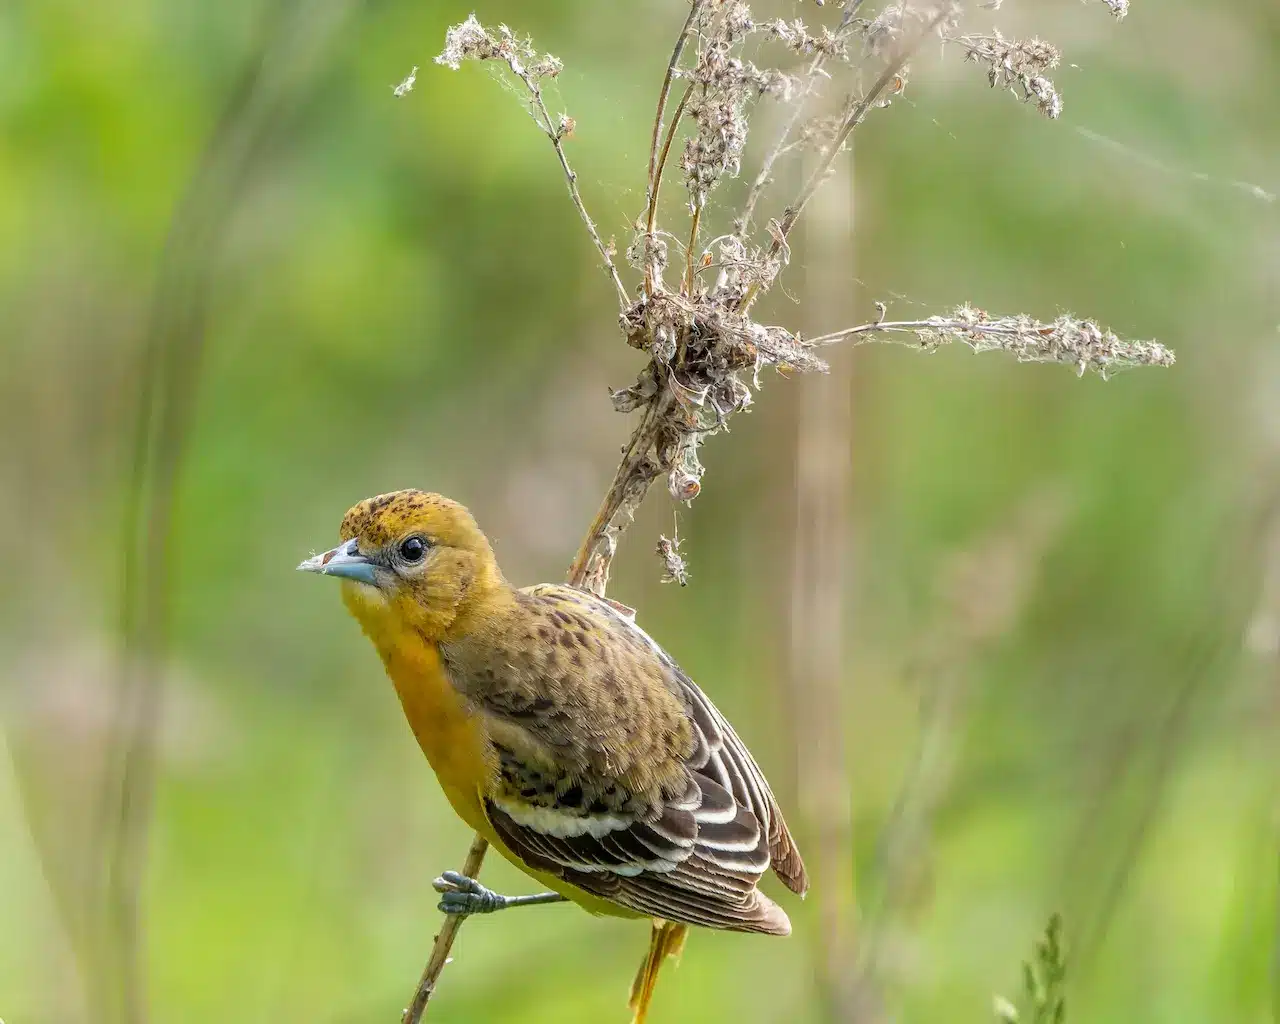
[{"x": 412, "y": 549}]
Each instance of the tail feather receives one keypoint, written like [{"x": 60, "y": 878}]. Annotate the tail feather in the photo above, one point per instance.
[
  {"x": 785, "y": 856},
  {"x": 767, "y": 918}
]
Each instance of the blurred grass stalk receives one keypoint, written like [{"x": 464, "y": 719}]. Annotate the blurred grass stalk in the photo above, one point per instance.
[
  {"x": 818, "y": 675},
  {"x": 979, "y": 594},
  {"x": 273, "y": 78}
]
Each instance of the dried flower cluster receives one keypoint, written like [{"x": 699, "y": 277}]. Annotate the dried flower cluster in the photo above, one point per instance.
[
  {"x": 472, "y": 41},
  {"x": 800, "y": 39},
  {"x": 1017, "y": 65},
  {"x": 723, "y": 86}
]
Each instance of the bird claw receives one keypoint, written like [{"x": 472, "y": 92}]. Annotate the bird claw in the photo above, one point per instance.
[
  {"x": 455, "y": 881},
  {"x": 461, "y": 896}
]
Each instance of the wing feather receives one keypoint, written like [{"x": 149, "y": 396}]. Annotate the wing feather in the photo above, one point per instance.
[{"x": 690, "y": 849}]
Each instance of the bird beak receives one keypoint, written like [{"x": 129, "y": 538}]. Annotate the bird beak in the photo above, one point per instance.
[{"x": 344, "y": 561}]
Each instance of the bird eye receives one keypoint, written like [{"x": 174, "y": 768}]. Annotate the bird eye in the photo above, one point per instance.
[{"x": 412, "y": 549}]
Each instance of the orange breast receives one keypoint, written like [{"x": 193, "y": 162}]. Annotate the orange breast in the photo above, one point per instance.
[{"x": 449, "y": 735}]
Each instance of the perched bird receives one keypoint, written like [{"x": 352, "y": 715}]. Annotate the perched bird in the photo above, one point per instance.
[{"x": 562, "y": 734}]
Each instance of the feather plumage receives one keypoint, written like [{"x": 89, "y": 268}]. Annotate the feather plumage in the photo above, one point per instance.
[{"x": 615, "y": 772}]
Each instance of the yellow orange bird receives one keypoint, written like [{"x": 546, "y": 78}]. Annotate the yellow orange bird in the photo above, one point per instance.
[{"x": 563, "y": 734}]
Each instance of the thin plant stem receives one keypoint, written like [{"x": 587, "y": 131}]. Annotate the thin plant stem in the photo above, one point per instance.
[
  {"x": 887, "y": 77},
  {"x": 170, "y": 370},
  {"x": 444, "y": 941},
  {"x": 688, "y": 255},
  {"x": 590, "y": 566},
  {"x": 556, "y": 136},
  {"x": 743, "y": 222},
  {"x": 662, "y": 163},
  {"x": 657, "y": 163}
]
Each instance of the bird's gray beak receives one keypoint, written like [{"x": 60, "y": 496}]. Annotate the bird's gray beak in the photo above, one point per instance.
[{"x": 344, "y": 561}]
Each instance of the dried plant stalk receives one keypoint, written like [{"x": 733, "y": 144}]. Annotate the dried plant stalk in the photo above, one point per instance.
[
  {"x": 444, "y": 941},
  {"x": 1081, "y": 344},
  {"x": 704, "y": 351},
  {"x": 981, "y": 591},
  {"x": 169, "y": 379}
]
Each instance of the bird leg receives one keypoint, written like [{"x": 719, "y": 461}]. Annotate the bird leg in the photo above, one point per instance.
[
  {"x": 461, "y": 895},
  {"x": 666, "y": 939}
]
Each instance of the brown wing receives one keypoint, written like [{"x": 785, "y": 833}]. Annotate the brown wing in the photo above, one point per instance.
[{"x": 681, "y": 830}]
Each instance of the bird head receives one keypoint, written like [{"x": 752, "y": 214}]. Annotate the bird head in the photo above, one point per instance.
[{"x": 410, "y": 560}]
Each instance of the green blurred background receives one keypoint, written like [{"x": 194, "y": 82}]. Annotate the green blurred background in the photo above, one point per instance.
[{"x": 1057, "y": 600}]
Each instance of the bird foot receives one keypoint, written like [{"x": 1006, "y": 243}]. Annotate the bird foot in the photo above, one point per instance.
[{"x": 461, "y": 896}]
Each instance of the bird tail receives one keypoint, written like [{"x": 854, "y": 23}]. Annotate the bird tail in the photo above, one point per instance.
[{"x": 666, "y": 939}]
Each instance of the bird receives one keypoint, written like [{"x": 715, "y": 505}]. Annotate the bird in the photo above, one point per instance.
[{"x": 563, "y": 734}]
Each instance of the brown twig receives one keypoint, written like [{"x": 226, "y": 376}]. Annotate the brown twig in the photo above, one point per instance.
[
  {"x": 655, "y": 170},
  {"x": 444, "y": 941},
  {"x": 637, "y": 470},
  {"x": 650, "y": 276},
  {"x": 556, "y": 135}
]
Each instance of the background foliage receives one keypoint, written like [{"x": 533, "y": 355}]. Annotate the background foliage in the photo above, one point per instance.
[{"x": 402, "y": 296}]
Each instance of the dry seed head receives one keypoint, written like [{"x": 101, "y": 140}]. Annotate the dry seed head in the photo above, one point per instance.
[
  {"x": 797, "y": 37},
  {"x": 467, "y": 41},
  {"x": 648, "y": 252},
  {"x": 1119, "y": 8},
  {"x": 406, "y": 86},
  {"x": 684, "y": 486},
  {"x": 472, "y": 41},
  {"x": 674, "y": 568},
  {"x": 886, "y": 28},
  {"x": 737, "y": 22},
  {"x": 1081, "y": 344},
  {"x": 1017, "y": 65}
]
